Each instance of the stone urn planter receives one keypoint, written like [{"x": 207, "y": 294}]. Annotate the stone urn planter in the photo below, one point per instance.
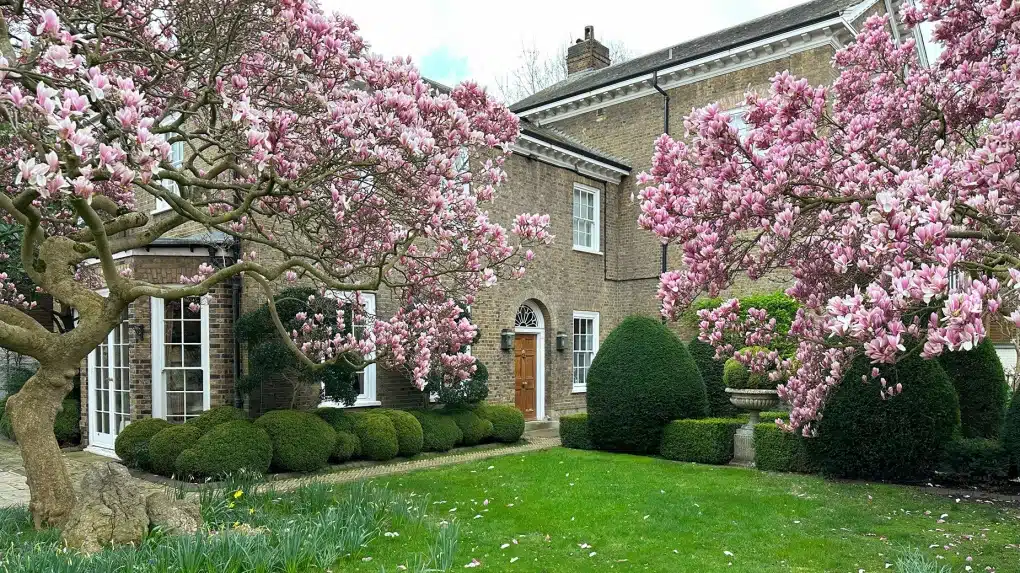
[{"x": 754, "y": 400}]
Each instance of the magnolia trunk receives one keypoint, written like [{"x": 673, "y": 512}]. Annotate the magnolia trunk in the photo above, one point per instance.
[{"x": 33, "y": 410}]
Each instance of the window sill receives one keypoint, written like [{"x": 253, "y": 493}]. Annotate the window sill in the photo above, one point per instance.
[
  {"x": 159, "y": 210},
  {"x": 579, "y": 389},
  {"x": 356, "y": 404},
  {"x": 589, "y": 251}
]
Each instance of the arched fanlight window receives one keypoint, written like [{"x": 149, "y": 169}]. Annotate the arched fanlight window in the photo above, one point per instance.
[{"x": 526, "y": 317}]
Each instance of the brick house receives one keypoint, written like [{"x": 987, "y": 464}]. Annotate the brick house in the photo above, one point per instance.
[{"x": 583, "y": 141}]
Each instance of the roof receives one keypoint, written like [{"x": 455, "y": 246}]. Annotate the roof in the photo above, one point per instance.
[
  {"x": 560, "y": 139},
  {"x": 210, "y": 239},
  {"x": 770, "y": 25}
]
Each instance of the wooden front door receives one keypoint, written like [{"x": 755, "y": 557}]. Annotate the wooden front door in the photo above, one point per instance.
[{"x": 526, "y": 373}]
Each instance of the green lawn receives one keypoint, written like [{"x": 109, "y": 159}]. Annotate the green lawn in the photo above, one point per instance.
[{"x": 568, "y": 510}]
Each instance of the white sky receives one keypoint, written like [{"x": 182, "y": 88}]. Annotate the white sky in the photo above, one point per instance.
[{"x": 456, "y": 40}]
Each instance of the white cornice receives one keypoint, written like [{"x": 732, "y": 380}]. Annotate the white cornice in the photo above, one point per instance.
[
  {"x": 834, "y": 32},
  {"x": 528, "y": 146}
]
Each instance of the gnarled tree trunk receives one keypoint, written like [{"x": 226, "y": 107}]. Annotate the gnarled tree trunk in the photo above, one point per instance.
[{"x": 33, "y": 410}]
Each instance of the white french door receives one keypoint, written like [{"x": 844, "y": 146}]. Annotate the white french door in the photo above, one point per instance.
[{"x": 109, "y": 378}]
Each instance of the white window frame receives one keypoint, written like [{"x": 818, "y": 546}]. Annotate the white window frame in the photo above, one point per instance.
[
  {"x": 368, "y": 397},
  {"x": 594, "y": 318},
  {"x": 739, "y": 114},
  {"x": 177, "y": 160},
  {"x": 158, "y": 329},
  {"x": 95, "y": 442},
  {"x": 596, "y": 246}
]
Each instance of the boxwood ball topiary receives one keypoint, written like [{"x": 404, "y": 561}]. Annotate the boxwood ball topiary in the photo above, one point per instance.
[
  {"x": 215, "y": 416},
  {"x": 167, "y": 445},
  {"x": 377, "y": 435},
  {"x": 132, "y": 444},
  {"x": 860, "y": 435},
  {"x": 439, "y": 433},
  {"x": 227, "y": 449},
  {"x": 409, "y": 432},
  {"x": 347, "y": 447},
  {"x": 475, "y": 428},
  {"x": 641, "y": 379},
  {"x": 712, "y": 374},
  {"x": 981, "y": 386},
  {"x": 302, "y": 442},
  {"x": 574, "y": 432},
  {"x": 507, "y": 421},
  {"x": 1011, "y": 430},
  {"x": 340, "y": 419}
]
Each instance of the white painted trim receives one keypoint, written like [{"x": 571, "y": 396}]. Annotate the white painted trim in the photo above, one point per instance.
[
  {"x": 576, "y": 155},
  {"x": 597, "y": 248},
  {"x": 158, "y": 251},
  {"x": 539, "y": 331},
  {"x": 370, "y": 396},
  {"x": 801, "y": 39},
  {"x": 595, "y": 318},
  {"x": 100, "y": 443},
  {"x": 530, "y": 147},
  {"x": 156, "y": 338}
]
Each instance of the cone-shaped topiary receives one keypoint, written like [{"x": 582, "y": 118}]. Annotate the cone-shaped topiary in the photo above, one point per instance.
[
  {"x": 507, "y": 421},
  {"x": 132, "y": 444},
  {"x": 302, "y": 442},
  {"x": 863, "y": 436},
  {"x": 167, "y": 445},
  {"x": 439, "y": 433},
  {"x": 475, "y": 429},
  {"x": 215, "y": 416},
  {"x": 641, "y": 379},
  {"x": 227, "y": 449},
  {"x": 981, "y": 386},
  {"x": 347, "y": 446},
  {"x": 409, "y": 432},
  {"x": 1011, "y": 430},
  {"x": 719, "y": 405},
  {"x": 377, "y": 435}
]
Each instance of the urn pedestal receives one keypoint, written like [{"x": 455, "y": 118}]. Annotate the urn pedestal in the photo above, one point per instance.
[{"x": 754, "y": 401}]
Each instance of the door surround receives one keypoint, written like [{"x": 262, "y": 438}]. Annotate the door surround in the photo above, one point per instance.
[{"x": 536, "y": 327}]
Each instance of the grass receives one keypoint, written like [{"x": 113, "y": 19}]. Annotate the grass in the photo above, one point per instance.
[
  {"x": 560, "y": 510},
  {"x": 569, "y": 510}
]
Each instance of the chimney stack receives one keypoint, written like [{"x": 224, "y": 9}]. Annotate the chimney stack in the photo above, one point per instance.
[{"x": 587, "y": 54}]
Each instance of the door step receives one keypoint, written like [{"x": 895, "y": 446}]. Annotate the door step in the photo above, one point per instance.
[{"x": 540, "y": 425}]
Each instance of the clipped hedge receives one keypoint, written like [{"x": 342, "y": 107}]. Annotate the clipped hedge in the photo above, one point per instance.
[
  {"x": 132, "y": 444},
  {"x": 377, "y": 436},
  {"x": 705, "y": 440},
  {"x": 215, "y": 416},
  {"x": 439, "y": 433},
  {"x": 410, "y": 438},
  {"x": 981, "y": 386},
  {"x": 860, "y": 435},
  {"x": 1011, "y": 430},
  {"x": 474, "y": 428},
  {"x": 166, "y": 446},
  {"x": 776, "y": 450},
  {"x": 642, "y": 378},
  {"x": 574, "y": 432},
  {"x": 227, "y": 449},
  {"x": 507, "y": 421},
  {"x": 302, "y": 442},
  {"x": 719, "y": 405},
  {"x": 347, "y": 447},
  {"x": 975, "y": 460}
]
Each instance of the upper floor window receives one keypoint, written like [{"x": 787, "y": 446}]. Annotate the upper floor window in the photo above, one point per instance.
[{"x": 586, "y": 218}]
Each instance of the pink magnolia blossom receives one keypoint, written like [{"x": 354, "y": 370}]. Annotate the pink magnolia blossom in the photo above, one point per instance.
[{"x": 892, "y": 196}]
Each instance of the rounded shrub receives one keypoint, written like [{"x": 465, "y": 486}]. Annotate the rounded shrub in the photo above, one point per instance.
[
  {"x": 574, "y": 432},
  {"x": 302, "y": 442},
  {"x": 347, "y": 447},
  {"x": 719, "y": 405},
  {"x": 641, "y": 379},
  {"x": 860, "y": 435},
  {"x": 736, "y": 375},
  {"x": 167, "y": 445},
  {"x": 1011, "y": 430},
  {"x": 439, "y": 433},
  {"x": 377, "y": 435},
  {"x": 132, "y": 444},
  {"x": 227, "y": 449},
  {"x": 215, "y": 416},
  {"x": 410, "y": 438},
  {"x": 66, "y": 426},
  {"x": 507, "y": 421},
  {"x": 340, "y": 419},
  {"x": 981, "y": 386},
  {"x": 475, "y": 429},
  {"x": 975, "y": 460}
]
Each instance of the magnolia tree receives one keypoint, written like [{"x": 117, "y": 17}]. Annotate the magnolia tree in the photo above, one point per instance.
[
  {"x": 329, "y": 166},
  {"x": 892, "y": 196}
]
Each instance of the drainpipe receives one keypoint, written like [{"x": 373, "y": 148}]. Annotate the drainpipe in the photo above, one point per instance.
[
  {"x": 665, "y": 129},
  {"x": 236, "y": 313}
]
